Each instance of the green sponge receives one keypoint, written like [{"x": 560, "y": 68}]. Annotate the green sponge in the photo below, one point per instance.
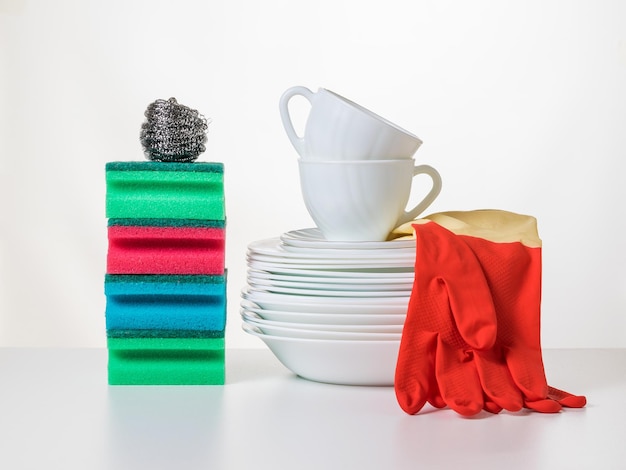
[
  {"x": 165, "y": 190},
  {"x": 166, "y": 361}
]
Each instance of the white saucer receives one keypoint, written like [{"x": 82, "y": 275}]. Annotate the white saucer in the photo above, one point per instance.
[{"x": 313, "y": 238}]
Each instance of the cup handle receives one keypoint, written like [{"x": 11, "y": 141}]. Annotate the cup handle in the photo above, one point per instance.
[
  {"x": 283, "y": 106},
  {"x": 430, "y": 197}
]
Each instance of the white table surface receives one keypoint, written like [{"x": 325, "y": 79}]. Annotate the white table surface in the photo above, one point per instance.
[{"x": 57, "y": 411}]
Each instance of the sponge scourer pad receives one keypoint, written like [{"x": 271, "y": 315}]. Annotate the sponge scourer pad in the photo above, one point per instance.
[
  {"x": 161, "y": 302},
  {"x": 165, "y": 190},
  {"x": 165, "y": 246},
  {"x": 174, "y": 361}
]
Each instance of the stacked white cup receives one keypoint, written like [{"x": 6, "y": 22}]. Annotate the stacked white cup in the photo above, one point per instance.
[{"x": 356, "y": 168}]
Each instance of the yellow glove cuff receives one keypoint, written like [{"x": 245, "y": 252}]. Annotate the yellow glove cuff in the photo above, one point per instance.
[{"x": 490, "y": 224}]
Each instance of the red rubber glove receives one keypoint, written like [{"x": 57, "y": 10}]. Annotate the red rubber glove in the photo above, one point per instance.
[
  {"x": 513, "y": 272},
  {"x": 450, "y": 316},
  {"x": 511, "y": 369}
]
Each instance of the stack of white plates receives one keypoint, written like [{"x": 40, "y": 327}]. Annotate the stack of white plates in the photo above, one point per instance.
[{"x": 330, "y": 311}]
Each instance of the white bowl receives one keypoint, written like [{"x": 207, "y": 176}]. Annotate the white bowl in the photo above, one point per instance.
[
  {"x": 270, "y": 329},
  {"x": 325, "y": 318},
  {"x": 258, "y": 320},
  {"x": 391, "y": 305},
  {"x": 370, "y": 363}
]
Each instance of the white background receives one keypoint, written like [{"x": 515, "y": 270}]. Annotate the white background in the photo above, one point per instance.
[{"x": 521, "y": 106}]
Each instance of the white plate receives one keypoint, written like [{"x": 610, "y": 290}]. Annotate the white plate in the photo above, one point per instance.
[
  {"x": 255, "y": 319},
  {"x": 313, "y": 238},
  {"x": 346, "y": 269},
  {"x": 320, "y": 334},
  {"x": 273, "y": 247},
  {"x": 263, "y": 283},
  {"x": 284, "y": 302},
  {"x": 390, "y": 261},
  {"x": 305, "y": 293},
  {"x": 325, "y": 318},
  {"x": 369, "y": 363},
  {"x": 348, "y": 252},
  {"x": 335, "y": 277},
  {"x": 320, "y": 299}
]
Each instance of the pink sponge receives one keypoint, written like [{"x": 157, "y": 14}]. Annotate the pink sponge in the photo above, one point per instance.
[{"x": 190, "y": 247}]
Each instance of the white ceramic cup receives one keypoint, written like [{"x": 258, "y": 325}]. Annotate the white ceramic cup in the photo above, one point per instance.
[
  {"x": 339, "y": 129},
  {"x": 362, "y": 200}
]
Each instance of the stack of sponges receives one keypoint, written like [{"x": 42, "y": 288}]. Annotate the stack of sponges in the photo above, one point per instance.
[{"x": 165, "y": 285}]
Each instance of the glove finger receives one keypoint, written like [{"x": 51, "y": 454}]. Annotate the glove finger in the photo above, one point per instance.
[
  {"x": 496, "y": 380},
  {"x": 544, "y": 406},
  {"x": 434, "y": 397},
  {"x": 491, "y": 406},
  {"x": 526, "y": 367},
  {"x": 415, "y": 370},
  {"x": 458, "y": 380},
  {"x": 566, "y": 399}
]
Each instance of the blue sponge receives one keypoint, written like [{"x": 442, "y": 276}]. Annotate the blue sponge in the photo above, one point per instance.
[{"x": 166, "y": 303}]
